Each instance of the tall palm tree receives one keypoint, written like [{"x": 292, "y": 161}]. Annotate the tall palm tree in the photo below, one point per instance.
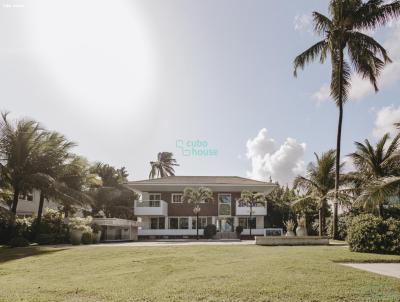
[
  {"x": 164, "y": 166},
  {"x": 344, "y": 29},
  {"x": 20, "y": 145},
  {"x": 319, "y": 180},
  {"x": 373, "y": 164},
  {"x": 251, "y": 200},
  {"x": 196, "y": 197}
]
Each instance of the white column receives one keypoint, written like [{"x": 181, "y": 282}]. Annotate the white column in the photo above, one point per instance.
[
  {"x": 190, "y": 222},
  {"x": 166, "y": 222}
]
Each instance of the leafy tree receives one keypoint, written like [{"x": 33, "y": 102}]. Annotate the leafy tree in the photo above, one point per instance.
[
  {"x": 319, "y": 180},
  {"x": 111, "y": 196},
  {"x": 279, "y": 206},
  {"x": 251, "y": 200},
  {"x": 345, "y": 30},
  {"x": 164, "y": 166}
]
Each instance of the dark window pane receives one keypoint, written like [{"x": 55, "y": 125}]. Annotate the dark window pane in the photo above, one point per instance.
[
  {"x": 161, "y": 223},
  {"x": 154, "y": 223},
  {"x": 173, "y": 223},
  {"x": 183, "y": 223}
]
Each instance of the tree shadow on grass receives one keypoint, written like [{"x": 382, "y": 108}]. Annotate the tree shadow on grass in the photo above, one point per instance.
[{"x": 9, "y": 254}]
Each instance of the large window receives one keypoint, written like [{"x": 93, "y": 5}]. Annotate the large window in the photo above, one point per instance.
[
  {"x": 179, "y": 223},
  {"x": 246, "y": 222},
  {"x": 203, "y": 222},
  {"x": 154, "y": 199},
  {"x": 224, "y": 204},
  {"x": 157, "y": 223},
  {"x": 176, "y": 198}
]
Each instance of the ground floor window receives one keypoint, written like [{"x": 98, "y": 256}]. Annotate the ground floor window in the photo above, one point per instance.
[
  {"x": 203, "y": 222},
  {"x": 247, "y": 222},
  {"x": 157, "y": 223},
  {"x": 181, "y": 223}
]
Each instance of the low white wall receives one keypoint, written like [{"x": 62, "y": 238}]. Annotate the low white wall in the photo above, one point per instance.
[{"x": 296, "y": 240}]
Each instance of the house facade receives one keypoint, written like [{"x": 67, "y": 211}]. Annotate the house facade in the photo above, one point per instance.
[{"x": 162, "y": 213}]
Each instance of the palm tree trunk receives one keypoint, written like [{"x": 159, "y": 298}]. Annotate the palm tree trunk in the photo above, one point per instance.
[
  {"x": 380, "y": 206},
  {"x": 15, "y": 200},
  {"x": 338, "y": 142},
  {"x": 321, "y": 224},
  {"x": 40, "y": 211},
  {"x": 251, "y": 211}
]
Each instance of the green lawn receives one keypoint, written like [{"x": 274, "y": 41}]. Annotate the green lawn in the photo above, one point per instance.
[{"x": 191, "y": 273}]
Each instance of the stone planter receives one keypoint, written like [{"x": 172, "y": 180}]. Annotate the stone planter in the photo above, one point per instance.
[
  {"x": 96, "y": 237},
  {"x": 75, "y": 236},
  {"x": 301, "y": 231},
  {"x": 290, "y": 234}
]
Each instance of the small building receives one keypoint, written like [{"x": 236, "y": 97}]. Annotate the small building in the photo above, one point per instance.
[{"x": 116, "y": 229}]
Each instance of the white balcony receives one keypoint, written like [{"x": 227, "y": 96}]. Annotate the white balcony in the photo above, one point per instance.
[
  {"x": 259, "y": 210},
  {"x": 151, "y": 208}
]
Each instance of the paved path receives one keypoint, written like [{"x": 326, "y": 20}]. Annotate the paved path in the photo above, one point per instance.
[
  {"x": 179, "y": 243},
  {"x": 387, "y": 269}
]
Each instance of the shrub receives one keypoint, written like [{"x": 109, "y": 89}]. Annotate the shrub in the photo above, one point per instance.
[
  {"x": 344, "y": 221},
  {"x": 51, "y": 226},
  {"x": 210, "y": 230},
  {"x": 239, "y": 230},
  {"x": 367, "y": 233},
  {"x": 18, "y": 242},
  {"x": 43, "y": 239},
  {"x": 96, "y": 228},
  {"x": 87, "y": 238},
  {"x": 6, "y": 229},
  {"x": 80, "y": 224}
]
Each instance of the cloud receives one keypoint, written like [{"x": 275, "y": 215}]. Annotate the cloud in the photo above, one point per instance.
[
  {"x": 385, "y": 118},
  {"x": 302, "y": 23},
  {"x": 282, "y": 162},
  {"x": 360, "y": 87}
]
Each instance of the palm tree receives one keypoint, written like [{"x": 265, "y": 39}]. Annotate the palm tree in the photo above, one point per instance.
[
  {"x": 196, "y": 197},
  {"x": 251, "y": 200},
  {"x": 319, "y": 180},
  {"x": 373, "y": 164},
  {"x": 20, "y": 145},
  {"x": 164, "y": 166},
  {"x": 344, "y": 29}
]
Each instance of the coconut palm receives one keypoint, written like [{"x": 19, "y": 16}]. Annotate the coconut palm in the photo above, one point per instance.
[
  {"x": 345, "y": 30},
  {"x": 251, "y": 200},
  {"x": 374, "y": 165},
  {"x": 164, "y": 166},
  {"x": 196, "y": 197},
  {"x": 319, "y": 180},
  {"x": 20, "y": 145}
]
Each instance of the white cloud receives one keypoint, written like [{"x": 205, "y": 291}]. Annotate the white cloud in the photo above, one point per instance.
[
  {"x": 302, "y": 23},
  {"x": 385, "y": 118},
  {"x": 391, "y": 74},
  {"x": 282, "y": 162}
]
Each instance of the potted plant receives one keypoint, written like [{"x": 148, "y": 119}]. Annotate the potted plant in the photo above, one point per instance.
[
  {"x": 301, "y": 229},
  {"x": 77, "y": 226},
  {"x": 96, "y": 233},
  {"x": 290, "y": 228}
]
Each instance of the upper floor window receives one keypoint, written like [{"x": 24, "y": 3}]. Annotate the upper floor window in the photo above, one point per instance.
[
  {"x": 176, "y": 198},
  {"x": 154, "y": 199}
]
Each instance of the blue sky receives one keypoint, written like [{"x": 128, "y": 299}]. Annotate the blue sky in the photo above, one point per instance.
[{"x": 127, "y": 79}]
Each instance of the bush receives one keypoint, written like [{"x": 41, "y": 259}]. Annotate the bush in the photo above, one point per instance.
[
  {"x": 367, "y": 233},
  {"x": 51, "y": 226},
  {"x": 210, "y": 230},
  {"x": 239, "y": 230},
  {"x": 80, "y": 224},
  {"x": 18, "y": 242},
  {"x": 43, "y": 239},
  {"x": 344, "y": 221},
  {"x": 87, "y": 238}
]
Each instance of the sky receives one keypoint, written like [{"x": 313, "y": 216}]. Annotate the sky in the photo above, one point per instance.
[{"x": 211, "y": 81}]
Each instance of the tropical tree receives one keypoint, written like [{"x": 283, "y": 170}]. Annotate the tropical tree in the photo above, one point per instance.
[
  {"x": 197, "y": 196},
  {"x": 345, "y": 29},
  {"x": 20, "y": 145},
  {"x": 251, "y": 200},
  {"x": 164, "y": 166},
  {"x": 111, "y": 197},
  {"x": 319, "y": 180},
  {"x": 373, "y": 165}
]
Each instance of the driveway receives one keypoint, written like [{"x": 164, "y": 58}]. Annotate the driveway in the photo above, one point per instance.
[{"x": 387, "y": 269}]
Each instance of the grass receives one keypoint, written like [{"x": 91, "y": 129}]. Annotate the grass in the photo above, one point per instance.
[{"x": 191, "y": 273}]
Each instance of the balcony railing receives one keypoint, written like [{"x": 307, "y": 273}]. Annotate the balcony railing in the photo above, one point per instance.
[
  {"x": 259, "y": 210},
  {"x": 151, "y": 208}
]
